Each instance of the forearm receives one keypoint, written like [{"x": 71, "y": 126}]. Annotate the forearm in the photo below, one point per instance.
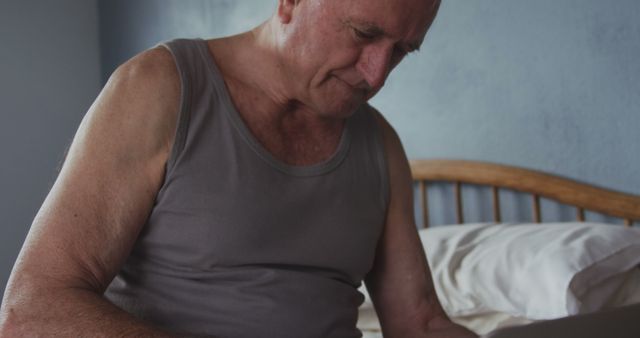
[
  {"x": 407, "y": 323},
  {"x": 68, "y": 313}
]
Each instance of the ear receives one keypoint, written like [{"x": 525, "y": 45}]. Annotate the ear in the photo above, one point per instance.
[{"x": 285, "y": 10}]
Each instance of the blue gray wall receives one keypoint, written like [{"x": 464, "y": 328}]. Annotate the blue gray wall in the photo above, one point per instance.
[
  {"x": 128, "y": 27},
  {"x": 49, "y": 75},
  {"x": 545, "y": 84}
]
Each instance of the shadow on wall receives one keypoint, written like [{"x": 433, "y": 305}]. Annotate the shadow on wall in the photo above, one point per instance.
[{"x": 129, "y": 27}]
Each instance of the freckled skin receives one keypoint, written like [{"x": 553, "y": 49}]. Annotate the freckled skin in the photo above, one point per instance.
[
  {"x": 335, "y": 71},
  {"x": 295, "y": 78}
]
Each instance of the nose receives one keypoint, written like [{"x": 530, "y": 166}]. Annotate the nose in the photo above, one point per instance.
[{"x": 374, "y": 65}]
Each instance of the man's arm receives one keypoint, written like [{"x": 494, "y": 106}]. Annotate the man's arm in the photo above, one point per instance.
[
  {"x": 400, "y": 282},
  {"x": 94, "y": 212}
]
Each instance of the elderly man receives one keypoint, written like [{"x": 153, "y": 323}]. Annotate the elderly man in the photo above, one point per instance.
[{"x": 238, "y": 187}]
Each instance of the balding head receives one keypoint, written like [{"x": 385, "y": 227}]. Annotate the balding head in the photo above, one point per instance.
[{"x": 337, "y": 54}]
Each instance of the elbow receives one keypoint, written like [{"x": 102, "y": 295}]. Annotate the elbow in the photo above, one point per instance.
[
  {"x": 20, "y": 320},
  {"x": 20, "y": 312},
  {"x": 9, "y": 323}
]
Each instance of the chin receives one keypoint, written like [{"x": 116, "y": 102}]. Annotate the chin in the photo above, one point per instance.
[
  {"x": 340, "y": 109},
  {"x": 339, "y": 105}
]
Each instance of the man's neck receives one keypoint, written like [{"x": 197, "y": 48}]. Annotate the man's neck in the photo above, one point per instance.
[
  {"x": 264, "y": 96},
  {"x": 260, "y": 85}
]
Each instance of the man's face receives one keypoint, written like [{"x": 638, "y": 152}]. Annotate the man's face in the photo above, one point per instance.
[{"x": 340, "y": 52}]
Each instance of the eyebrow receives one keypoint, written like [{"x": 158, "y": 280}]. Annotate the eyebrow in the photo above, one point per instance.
[
  {"x": 375, "y": 30},
  {"x": 413, "y": 47}
]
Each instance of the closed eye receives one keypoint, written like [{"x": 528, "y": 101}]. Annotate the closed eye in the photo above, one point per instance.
[
  {"x": 398, "y": 55},
  {"x": 362, "y": 35}
]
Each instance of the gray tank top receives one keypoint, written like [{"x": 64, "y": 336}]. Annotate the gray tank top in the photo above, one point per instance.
[{"x": 240, "y": 244}]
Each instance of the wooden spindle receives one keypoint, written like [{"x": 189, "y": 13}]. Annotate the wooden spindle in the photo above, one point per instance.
[
  {"x": 497, "y": 217},
  {"x": 424, "y": 204},
  {"x": 536, "y": 208},
  {"x": 580, "y": 214},
  {"x": 459, "y": 213}
]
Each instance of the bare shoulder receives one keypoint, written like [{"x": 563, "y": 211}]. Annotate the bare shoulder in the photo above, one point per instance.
[
  {"x": 392, "y": 144},
  {"x": 147, "y": 87},
  {"x": 153, "y": 70},
  {"x": 140, "y": 103},
  {"x": 399, "y": 170},
  {"x": 391, "y": 138}
]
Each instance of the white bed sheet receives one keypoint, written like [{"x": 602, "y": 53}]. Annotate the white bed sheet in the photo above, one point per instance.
[
  {"x": 537, "y": 271},
  {"x": 628, "y": 293},
  {"x": 624, "y": 289}
]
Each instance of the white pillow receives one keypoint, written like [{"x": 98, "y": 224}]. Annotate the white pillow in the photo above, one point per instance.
[{"x": 537, "y": 271}]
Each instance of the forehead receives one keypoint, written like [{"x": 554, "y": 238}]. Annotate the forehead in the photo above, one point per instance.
[{"x": 402, "y": 19}]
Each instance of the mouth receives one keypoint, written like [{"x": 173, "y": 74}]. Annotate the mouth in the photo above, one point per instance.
[{"x": 361, "y": 89}]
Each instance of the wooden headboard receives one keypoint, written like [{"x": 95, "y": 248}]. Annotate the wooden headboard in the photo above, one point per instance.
[{"x": 538, "y": 184}]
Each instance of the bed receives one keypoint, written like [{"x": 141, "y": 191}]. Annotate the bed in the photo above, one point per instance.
[{"x": 492, "y": 273}]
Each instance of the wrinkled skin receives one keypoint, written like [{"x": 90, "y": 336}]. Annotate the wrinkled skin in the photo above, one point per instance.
[{"x": 339, "y": 53}]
